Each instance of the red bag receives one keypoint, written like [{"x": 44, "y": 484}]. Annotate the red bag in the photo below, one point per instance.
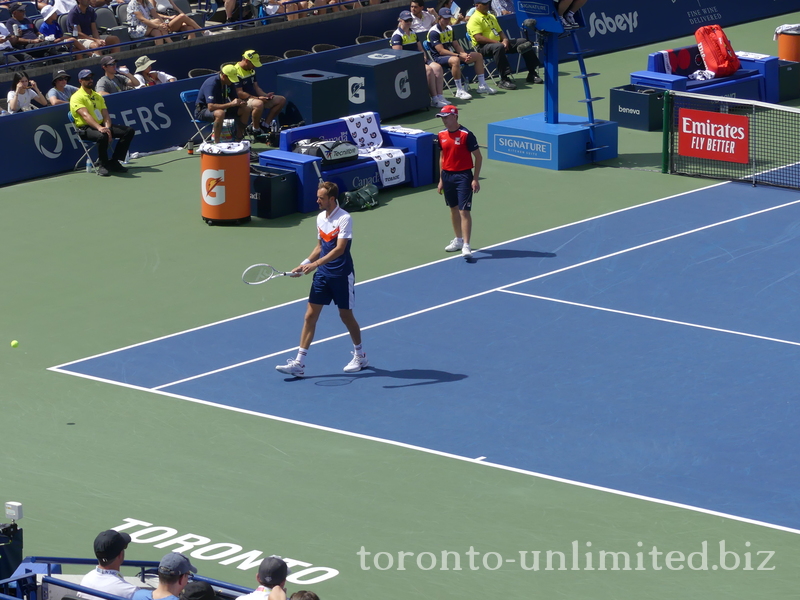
[{"x": 716, "y": 50}]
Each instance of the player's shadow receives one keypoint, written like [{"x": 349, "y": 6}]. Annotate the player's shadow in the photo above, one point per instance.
[
  {"x": 417, "y": 376},
  {"x": 494, "y": 253}
]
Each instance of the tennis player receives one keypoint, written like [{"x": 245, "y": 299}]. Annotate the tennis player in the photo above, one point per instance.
[
  {"x": 333, "y": 281},
  {"x": 460, "y": 153}
]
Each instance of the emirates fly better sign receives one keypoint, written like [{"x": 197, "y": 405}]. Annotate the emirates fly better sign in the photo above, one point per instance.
[{"x": 718, "y": 136}]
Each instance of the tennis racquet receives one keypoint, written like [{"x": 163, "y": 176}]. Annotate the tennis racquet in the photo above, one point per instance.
[{"x": 262, "y": 273}]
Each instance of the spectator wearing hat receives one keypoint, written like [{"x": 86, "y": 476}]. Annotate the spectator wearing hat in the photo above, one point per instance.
[
  {"x": 217, "y": 100},
  {"x": 146, "y": 76},
  {"x": 61, "y": 91},
  {"x": 174, "y": 572},
  {"x": 272, "y": 574},
  {"x": 84, "y": 18},
  {"x": 115, "y": 80},
  {"x": 109, "y": 548},
  {"x": 25, "y": 32},
  {"x": 23, "y": 93},
  {"x": 405, "y": 39},
  {"x": 93, "y": 123},
  {"x": 257, "y": 99},
  {"x": 7, "y": 41},
  {"x": 490, "y": 41},
  {"x": 457, "y": 181},
  {"x": 198, "y": 590},
  {"x": 447, "y": 51},
  {"x": 53, "y": 34}
]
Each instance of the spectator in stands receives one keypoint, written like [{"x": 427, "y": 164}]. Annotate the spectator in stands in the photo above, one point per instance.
[
  {"x": 23, "y": 93},
  {"x": 113, "y": 81},
  {"x": 85, "y": 19},
  {"x": 109, "y": 546},
  {"x": 174, "y": 571},
  {"x": 93, "y": 123},
  {"x": 405, "y": 39},
  {"x": 28, "y": 37},
  {"x": 7, "y": 41},
  {"x": 143, "y": 21},
  {"x": 448, "y": 52},
  {"x": 502, "y": 7},
  {"x": 458, "y": 16},
  {"x": 304, "y": 595},
  {"x": 421, "y": 19},
  {"x": 52, "y": 33},
  {"x": 61, "y": 91},
  {"x": 257, "y": 99},
  {"x": 177, "y": 20},
  {"x": 272, "y": 574},
  {"x": 490, "y": 41},
  {"x": 198, "y": 590},
  {"x": 146, "y": 76},
  {"x": 217, "y": 101},
  {"x": 566, "y": 11}
]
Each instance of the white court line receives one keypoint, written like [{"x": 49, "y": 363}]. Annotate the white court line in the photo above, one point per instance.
[
  {"x": 476, "y": 461},
  {"x": 305, "y": 298},
  {"x": 483, "y": 293},
  {"x": 672, "y": 321}
]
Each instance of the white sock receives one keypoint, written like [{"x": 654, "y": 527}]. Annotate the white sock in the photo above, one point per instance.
[
  {"x": 358, "y": 350},
  {"x": 459, "y": 87},
  {"x": 301, "y": 356},
  {"x": 481, "y": 79}
]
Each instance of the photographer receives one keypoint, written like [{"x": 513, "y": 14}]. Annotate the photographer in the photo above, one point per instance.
[{"x": 23, "y": 93}]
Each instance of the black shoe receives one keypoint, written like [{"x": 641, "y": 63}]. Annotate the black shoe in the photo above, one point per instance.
[
  {"x": 507, "y": 84},
  {"x": 102, "y": 171},
  {"x": 116, "y": 167},
  {"x": 533, "y": 77}
]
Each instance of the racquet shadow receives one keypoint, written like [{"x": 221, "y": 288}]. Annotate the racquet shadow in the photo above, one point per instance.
[{"x": 417, "y": 377}]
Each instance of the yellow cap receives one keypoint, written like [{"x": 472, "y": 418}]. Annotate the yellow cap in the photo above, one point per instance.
[
  {"x": 253, "y": 57},
  {"x": 230, "y": 72}
]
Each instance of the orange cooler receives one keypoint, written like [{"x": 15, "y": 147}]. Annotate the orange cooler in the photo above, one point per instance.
[
  {"x": 225, "y": 184},
  {"x": 789, "y": 46}
]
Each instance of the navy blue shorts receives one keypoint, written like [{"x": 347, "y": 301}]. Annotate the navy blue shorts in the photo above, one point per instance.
[
  {"x": 457, "y": 186},
  {"x": 340, "y": 290},
  {"x": 443, "y": 60}
]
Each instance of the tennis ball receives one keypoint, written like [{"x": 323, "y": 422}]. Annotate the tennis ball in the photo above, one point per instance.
[{"x": 14, "y": 343}]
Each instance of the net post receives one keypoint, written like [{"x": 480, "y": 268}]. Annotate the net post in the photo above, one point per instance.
[{"x": 666, "y": 128}]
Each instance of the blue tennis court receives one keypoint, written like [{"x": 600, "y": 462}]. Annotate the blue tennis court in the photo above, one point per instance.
[{"x": 650, "y": 351}]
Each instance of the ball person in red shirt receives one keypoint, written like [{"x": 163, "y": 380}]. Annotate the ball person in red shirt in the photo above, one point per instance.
[{"x": 457, "y": 180}]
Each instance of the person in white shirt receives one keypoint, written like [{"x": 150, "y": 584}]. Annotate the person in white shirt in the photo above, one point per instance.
[
  {"x": 145, "y": 74},
  {"x": 23, "y": 92},
  {"x": 109, "y": 548},
  {"x": 422, "y": 20},
  {"x": 271, "y": 577}
]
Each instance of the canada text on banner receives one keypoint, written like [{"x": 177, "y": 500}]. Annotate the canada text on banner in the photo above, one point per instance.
[{"x": 717, "y": 136}]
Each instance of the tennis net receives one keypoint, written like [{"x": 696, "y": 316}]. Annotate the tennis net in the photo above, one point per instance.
[{"x": 731, "y": 139}]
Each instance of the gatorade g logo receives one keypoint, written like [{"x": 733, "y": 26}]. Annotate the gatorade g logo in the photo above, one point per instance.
[
  {"x": 603, "y": 24},
  {"x": 356, "y": 94},
  {"x": 213, "y": 187},
  {"x": 379, "y": 56},
  {"x": 40, "y": 133},
  {"x": 401, "y": 85}
]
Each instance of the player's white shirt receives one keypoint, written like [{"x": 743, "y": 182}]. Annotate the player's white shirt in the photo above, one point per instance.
[
  {"x": 261, "y": 593},
  {"x": 106, "y": 580},
  {"x": 329, "y": 230}
]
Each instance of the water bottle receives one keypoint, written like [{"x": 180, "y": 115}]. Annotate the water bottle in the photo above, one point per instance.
[
  {"x": 75, "y": 32},
  {"x": 88, "y": 166}
]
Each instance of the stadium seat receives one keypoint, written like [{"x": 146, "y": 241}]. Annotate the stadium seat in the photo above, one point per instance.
[
  {"x": 388, "y": 34},
  {"x": 321, "y": 48},
  {"x": 268, "y": 58},
  {"x": 200, "y": 72},
  {"x": 197, "y": 16},
  {"x": 107, "y": 24},
  {"x": 363, "y": 39},
  {"x": 189, "y": 98},
  {"x": 294, "y": 53}
]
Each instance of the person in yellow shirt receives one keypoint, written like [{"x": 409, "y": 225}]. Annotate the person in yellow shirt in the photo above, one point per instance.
[
  {"x": 491, "y": 42},
  {"x": 93, "y": 123},
  {"x": 257, "y": 99}
]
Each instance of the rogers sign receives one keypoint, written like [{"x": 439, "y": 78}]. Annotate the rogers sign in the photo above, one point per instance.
[{"x": 716, "y": 136}]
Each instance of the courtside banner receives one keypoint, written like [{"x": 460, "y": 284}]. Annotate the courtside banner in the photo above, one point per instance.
[{"x": 716, "y": 136}]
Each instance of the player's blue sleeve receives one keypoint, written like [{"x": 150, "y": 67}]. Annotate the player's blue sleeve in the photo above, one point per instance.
[{"x": 472, "y": 142}]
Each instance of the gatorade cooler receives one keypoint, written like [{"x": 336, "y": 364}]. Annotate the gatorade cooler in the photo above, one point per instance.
[
  {"x": 789, "y": 46},
  {"x": 225, "y": 183}
]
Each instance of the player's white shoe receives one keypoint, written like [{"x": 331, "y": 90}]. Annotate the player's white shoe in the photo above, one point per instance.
[
  {"x": 485, "y": 89},
  {"x": 359, "y": 362},
  {"x": 466, "y": 251},
  {"x": 436, "y": 103},
  {"x": 454, "y": 246},
  {"x": 463, "y": 95},
  {"x": 292, "y": 367}
]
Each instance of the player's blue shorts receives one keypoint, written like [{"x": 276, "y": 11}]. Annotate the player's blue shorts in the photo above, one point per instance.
[
  {"x": 443, "y": 60},
  {"x": 457, "y": 188},
  {"x": 341, "y": 290}
]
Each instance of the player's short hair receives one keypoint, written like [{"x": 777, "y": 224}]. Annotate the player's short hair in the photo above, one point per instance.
[
  {"x": 304, "y": 595},
  {"x": 419, "y": 2},
  {"x": 330, "y": 188}
]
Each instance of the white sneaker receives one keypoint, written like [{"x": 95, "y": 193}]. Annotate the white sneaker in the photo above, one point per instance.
[
  {"x": 358, "y": 363},
  {"x": 466, "y": 251},
  {"x": 292, "y": 367},
  {"x": 454, "y": 246},
  {"x": 436, "y": 103},
  {"x": 463, "y": 95},
  {"x": 485, "y": 89}
]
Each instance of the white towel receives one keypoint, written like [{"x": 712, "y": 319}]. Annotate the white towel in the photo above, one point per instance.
[
  {"x": 786, "y": 29},
  {"x": 391, "y": 165},
  {"x": 401, "y": 129},
  {"x": 702, "y": 75},
  {"x": 365, "y": 131}
]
